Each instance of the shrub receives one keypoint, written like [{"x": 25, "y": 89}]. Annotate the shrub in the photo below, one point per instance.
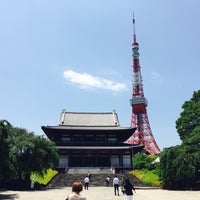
[
  {"x": 45, "y": 178},
  {"x": 151, "y": 178},
  {"x": 147, "y": 177}
]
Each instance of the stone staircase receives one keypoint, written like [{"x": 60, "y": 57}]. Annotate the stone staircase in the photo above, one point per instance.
[{"x": 98, "y": 177}]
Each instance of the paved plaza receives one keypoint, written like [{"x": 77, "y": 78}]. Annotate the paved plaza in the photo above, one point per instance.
[{"x": 100, "y": 193}]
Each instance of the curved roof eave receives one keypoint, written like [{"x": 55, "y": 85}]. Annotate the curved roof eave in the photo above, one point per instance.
[
  {"x": 100, "y": 147},
  {"x": 62, "y": 127}
]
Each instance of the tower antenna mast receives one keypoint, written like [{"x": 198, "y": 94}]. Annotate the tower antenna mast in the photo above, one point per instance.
[{"x": 134, "y": 32}]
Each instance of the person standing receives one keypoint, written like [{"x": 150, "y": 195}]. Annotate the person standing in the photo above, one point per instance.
[
  {"x": 86, "y": 182},
  {"x": 122, "y": 183},
  {"x": 116, "y": 185},
  {"x": 107, "y": 181},
  {"x": 128, "y": 189},
  {"x": 89, "y": 176},
  {"x": 32, "y": 183},
  {"x": 77, "y": 187}
]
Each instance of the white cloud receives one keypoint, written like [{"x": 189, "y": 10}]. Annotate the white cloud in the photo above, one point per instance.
[
  {"x": 156, "y": 76},
  {"x": 85, "y": 80}
]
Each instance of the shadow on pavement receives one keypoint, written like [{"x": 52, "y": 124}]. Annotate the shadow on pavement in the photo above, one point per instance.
[{"x": 8, "y": 196}]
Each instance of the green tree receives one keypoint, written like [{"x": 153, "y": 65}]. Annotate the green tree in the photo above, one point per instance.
[
  {"x": 44, "y": 155},
  {"x": 4, "y": 148},
  {"x": 190, "y": 117},
  {"x": 180, "y": 165},
  {"x": 22, "y": 153},
  {"x": 193, "y": 147},
  {"x": 30, "y": 153},
  {"x": 21, "y": 145},
  {"x": 143, "y": 161}
]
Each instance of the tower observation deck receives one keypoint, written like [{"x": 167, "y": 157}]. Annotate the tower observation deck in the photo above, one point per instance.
[{"x": 139, "y": 118}]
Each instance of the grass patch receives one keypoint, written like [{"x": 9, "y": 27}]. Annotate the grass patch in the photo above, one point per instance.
[
  {"x": 45, "y": 178},
  {"x": 147, "y": 177},
  {"x": 151, "y": 179},
  {"x": 137, "y": 173}
]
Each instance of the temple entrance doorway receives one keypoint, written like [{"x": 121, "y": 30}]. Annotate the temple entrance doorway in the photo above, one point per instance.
[
  {"x": 89, "y": 161},
  {"x": 75, "y": 161}
]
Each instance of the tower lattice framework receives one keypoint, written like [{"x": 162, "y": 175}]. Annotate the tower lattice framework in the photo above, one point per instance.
[{"x": 139, "y": 118}]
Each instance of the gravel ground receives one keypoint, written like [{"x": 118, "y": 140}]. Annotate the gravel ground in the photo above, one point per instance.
[{"x": 100, "y": 193}]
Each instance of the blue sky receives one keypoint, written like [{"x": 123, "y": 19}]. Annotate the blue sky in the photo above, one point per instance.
[{"x": 76, "y": 55}]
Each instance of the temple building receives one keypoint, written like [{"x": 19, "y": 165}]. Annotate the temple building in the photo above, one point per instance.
[{"x": 87, "y": 139}]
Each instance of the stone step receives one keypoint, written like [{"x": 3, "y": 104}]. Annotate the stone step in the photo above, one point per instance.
[
  {"x": 89, "y": 170},
  {"x": 64, "y": 179}
]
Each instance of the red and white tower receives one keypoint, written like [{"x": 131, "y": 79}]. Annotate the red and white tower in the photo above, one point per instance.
[{"x": 139, "y": 118}]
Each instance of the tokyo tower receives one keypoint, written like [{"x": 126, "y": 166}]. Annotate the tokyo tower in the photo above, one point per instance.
[{"x": 139, "y": 118}]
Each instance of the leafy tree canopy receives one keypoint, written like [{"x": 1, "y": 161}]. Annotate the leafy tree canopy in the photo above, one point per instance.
[
  {"x": 143, "y": 161},
  {"x": 180, "y": 165},
  {"x": 25, "y": 153},
  {"x": 190, "y": 117},
  {"x": 4, "y": 147}
]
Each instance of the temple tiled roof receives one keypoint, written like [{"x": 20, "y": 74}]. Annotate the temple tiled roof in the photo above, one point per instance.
[{"x": 89, "y": 119}]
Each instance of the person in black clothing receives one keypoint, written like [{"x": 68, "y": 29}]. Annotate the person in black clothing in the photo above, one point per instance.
[
  {"x": 89, "y": 176},
  {"x": 128, "y": 189}
]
